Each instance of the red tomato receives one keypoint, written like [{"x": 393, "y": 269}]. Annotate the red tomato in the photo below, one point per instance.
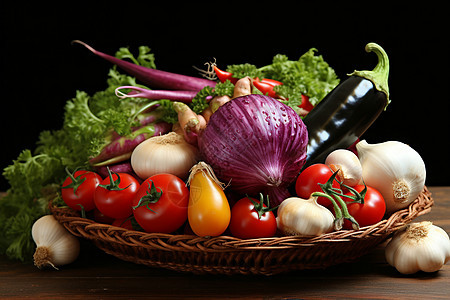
[
  {"x": 124, "y": 223},
  {"x": 164, "y": 212},
  {"x": 84, "y": 183},
  {"x": 309, "y": 179},
  {"x": 245, "y": 222},
  {"x": 101, "y": 218},
  {"x": 114, "y": 199},
  {"x": 368, "y": 213}
]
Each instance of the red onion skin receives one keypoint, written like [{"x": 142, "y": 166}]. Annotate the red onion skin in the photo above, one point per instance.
[{"x": 256, "y": 143}]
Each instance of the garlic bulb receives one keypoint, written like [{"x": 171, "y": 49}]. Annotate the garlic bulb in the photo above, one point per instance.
[
  {"x": 55, "y": 245},
  {"x": 297, "y": 216},
  {"x": 394, "y": 169},
  {"x": 418, "y": 247},
  {"x": 348, "y": 164},
  {"x": 168, "y": 153}
]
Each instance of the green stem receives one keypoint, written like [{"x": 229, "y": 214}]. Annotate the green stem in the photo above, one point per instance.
[
  {"x": 76, "y": 181},
  {"x": 338, "y": 221},
  {"x": 151, "y": 196},
  {"x": 113, "y": 185},
  {"x": 345, "y": 212},
  {"x": 379, "y": 75},
  {"x": 142, "y": 109}
]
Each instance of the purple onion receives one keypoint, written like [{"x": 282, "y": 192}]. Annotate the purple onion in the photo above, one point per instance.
[{"x": 256, "y": 143}]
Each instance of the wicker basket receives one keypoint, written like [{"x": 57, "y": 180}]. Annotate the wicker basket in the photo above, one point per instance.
[{"x": 229, "y": 255}]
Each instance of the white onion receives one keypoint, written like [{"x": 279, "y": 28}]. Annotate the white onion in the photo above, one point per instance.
[{"x": 168, "y": 153}]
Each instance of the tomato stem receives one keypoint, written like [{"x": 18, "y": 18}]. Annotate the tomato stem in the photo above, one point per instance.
[
  {"x": 152, "y": 196},
  {"x": 113, "y": 184},
  {"x": 342, "y": 211},
  {"x": 338, "y": 221},
  {"x": 261, "y": 208},
  {"x": 76, "y": 181}
]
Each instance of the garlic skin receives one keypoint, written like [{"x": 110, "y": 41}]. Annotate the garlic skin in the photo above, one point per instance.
[
  {"x": 395, "y": 169},
  {"x": 168, "y": 153},
  {"x": 418, "y": 247},
  {"x": 348, "y": 164},
  {"x": 297, "y": 216},
  {"x": 55, "y": 245}
]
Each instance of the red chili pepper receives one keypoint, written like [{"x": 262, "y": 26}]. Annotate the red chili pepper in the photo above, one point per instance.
[
  {"x": 271, "y": 82},
  {"x": 224, "y": 75},
  {"x": 306, "y": 105},
  {"x": 266, "y": 86}
]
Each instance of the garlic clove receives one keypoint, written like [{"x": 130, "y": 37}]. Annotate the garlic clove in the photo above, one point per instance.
[
  {"x": 55, "y": 246},
  {"x": 348, "y": 164},
  {"x": 418, "y": 247},
  {"x": 393, "y": 168},
  {"x": 298, "y": 216}
]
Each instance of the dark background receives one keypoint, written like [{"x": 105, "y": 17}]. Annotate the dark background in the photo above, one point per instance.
[{"x": 41, "y": 70}]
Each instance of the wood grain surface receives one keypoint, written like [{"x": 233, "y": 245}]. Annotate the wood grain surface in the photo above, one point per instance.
[{"x": 96, "y": 275}]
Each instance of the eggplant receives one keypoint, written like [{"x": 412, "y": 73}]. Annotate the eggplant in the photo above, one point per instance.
[{"x": 348, "y": 110}]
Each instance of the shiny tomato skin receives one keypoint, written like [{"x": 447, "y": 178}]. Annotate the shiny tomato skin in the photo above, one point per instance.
[
  {"x": 124, "y": 223},
  {"x": 369, "y": 213},
  {"x": 101, "y": 218},
  {"x": 308, "y": 182},
  {"x": 116, "y": 203},
  {"x": 245, "y": 223},
  {"x": 84, "y": 195},
  {"x": 170, "y": 212}
]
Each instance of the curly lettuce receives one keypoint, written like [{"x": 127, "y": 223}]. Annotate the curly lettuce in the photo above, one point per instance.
[
  {"x": 310, "y": 75},
  {"x": 35, "y": 176}
]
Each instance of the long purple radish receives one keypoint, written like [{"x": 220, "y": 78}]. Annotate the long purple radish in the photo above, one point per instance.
[
  {"x": 155, "y": 78},
  {"x": 138, "y": 92}
]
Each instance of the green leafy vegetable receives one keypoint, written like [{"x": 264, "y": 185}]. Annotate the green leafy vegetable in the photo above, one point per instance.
[
  {"x": 35, "y": 177},
  {"x": 145, "y": 57},
  {"x": 310, "y": 75},
  {"x": 242, "y": 70},
  {"x": 199, "y": 103}
]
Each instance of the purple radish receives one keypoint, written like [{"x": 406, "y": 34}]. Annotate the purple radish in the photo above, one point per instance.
[
  {"x": 155, "y": 78},
  {"x": 121, "y": 148},
  {"x": 138, "y": 92}
]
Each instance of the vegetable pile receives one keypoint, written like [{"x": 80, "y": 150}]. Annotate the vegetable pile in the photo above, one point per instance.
[{"x": 245, "y": 151}]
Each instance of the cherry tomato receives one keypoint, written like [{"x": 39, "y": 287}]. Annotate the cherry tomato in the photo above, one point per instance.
[
  {"x": 309, "y": 179},
  {"x": 369, "y": 212},
  {"x": 247, "y": 223},
  {"x": 101, "y": 218},
  {"x": 124, "y": 223},
  {"x": 161, "y": 204},
  {"x": 114, "y": 195},
  {"x": 78, "y": 190},
  {"x": 209, "y": 211}
]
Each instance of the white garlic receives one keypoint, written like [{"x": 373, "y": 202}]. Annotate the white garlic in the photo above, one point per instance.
[
  {"x": 297, "y": 216},
  {"x": 348, "y": 164},
  {"x": 55, "y": 245},
  {"x": 418, "y": 247},
  {"x": 395, "y": 169}
]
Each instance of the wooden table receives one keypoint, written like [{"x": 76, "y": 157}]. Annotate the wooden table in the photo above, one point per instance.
[{"x": 96, "y": 275}]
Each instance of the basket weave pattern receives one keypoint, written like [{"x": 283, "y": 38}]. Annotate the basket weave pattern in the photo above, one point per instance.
[{"x": 230, "y": 255}]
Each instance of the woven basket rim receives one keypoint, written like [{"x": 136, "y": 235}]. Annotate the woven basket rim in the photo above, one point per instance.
[{"x": 89, "y": 229}]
